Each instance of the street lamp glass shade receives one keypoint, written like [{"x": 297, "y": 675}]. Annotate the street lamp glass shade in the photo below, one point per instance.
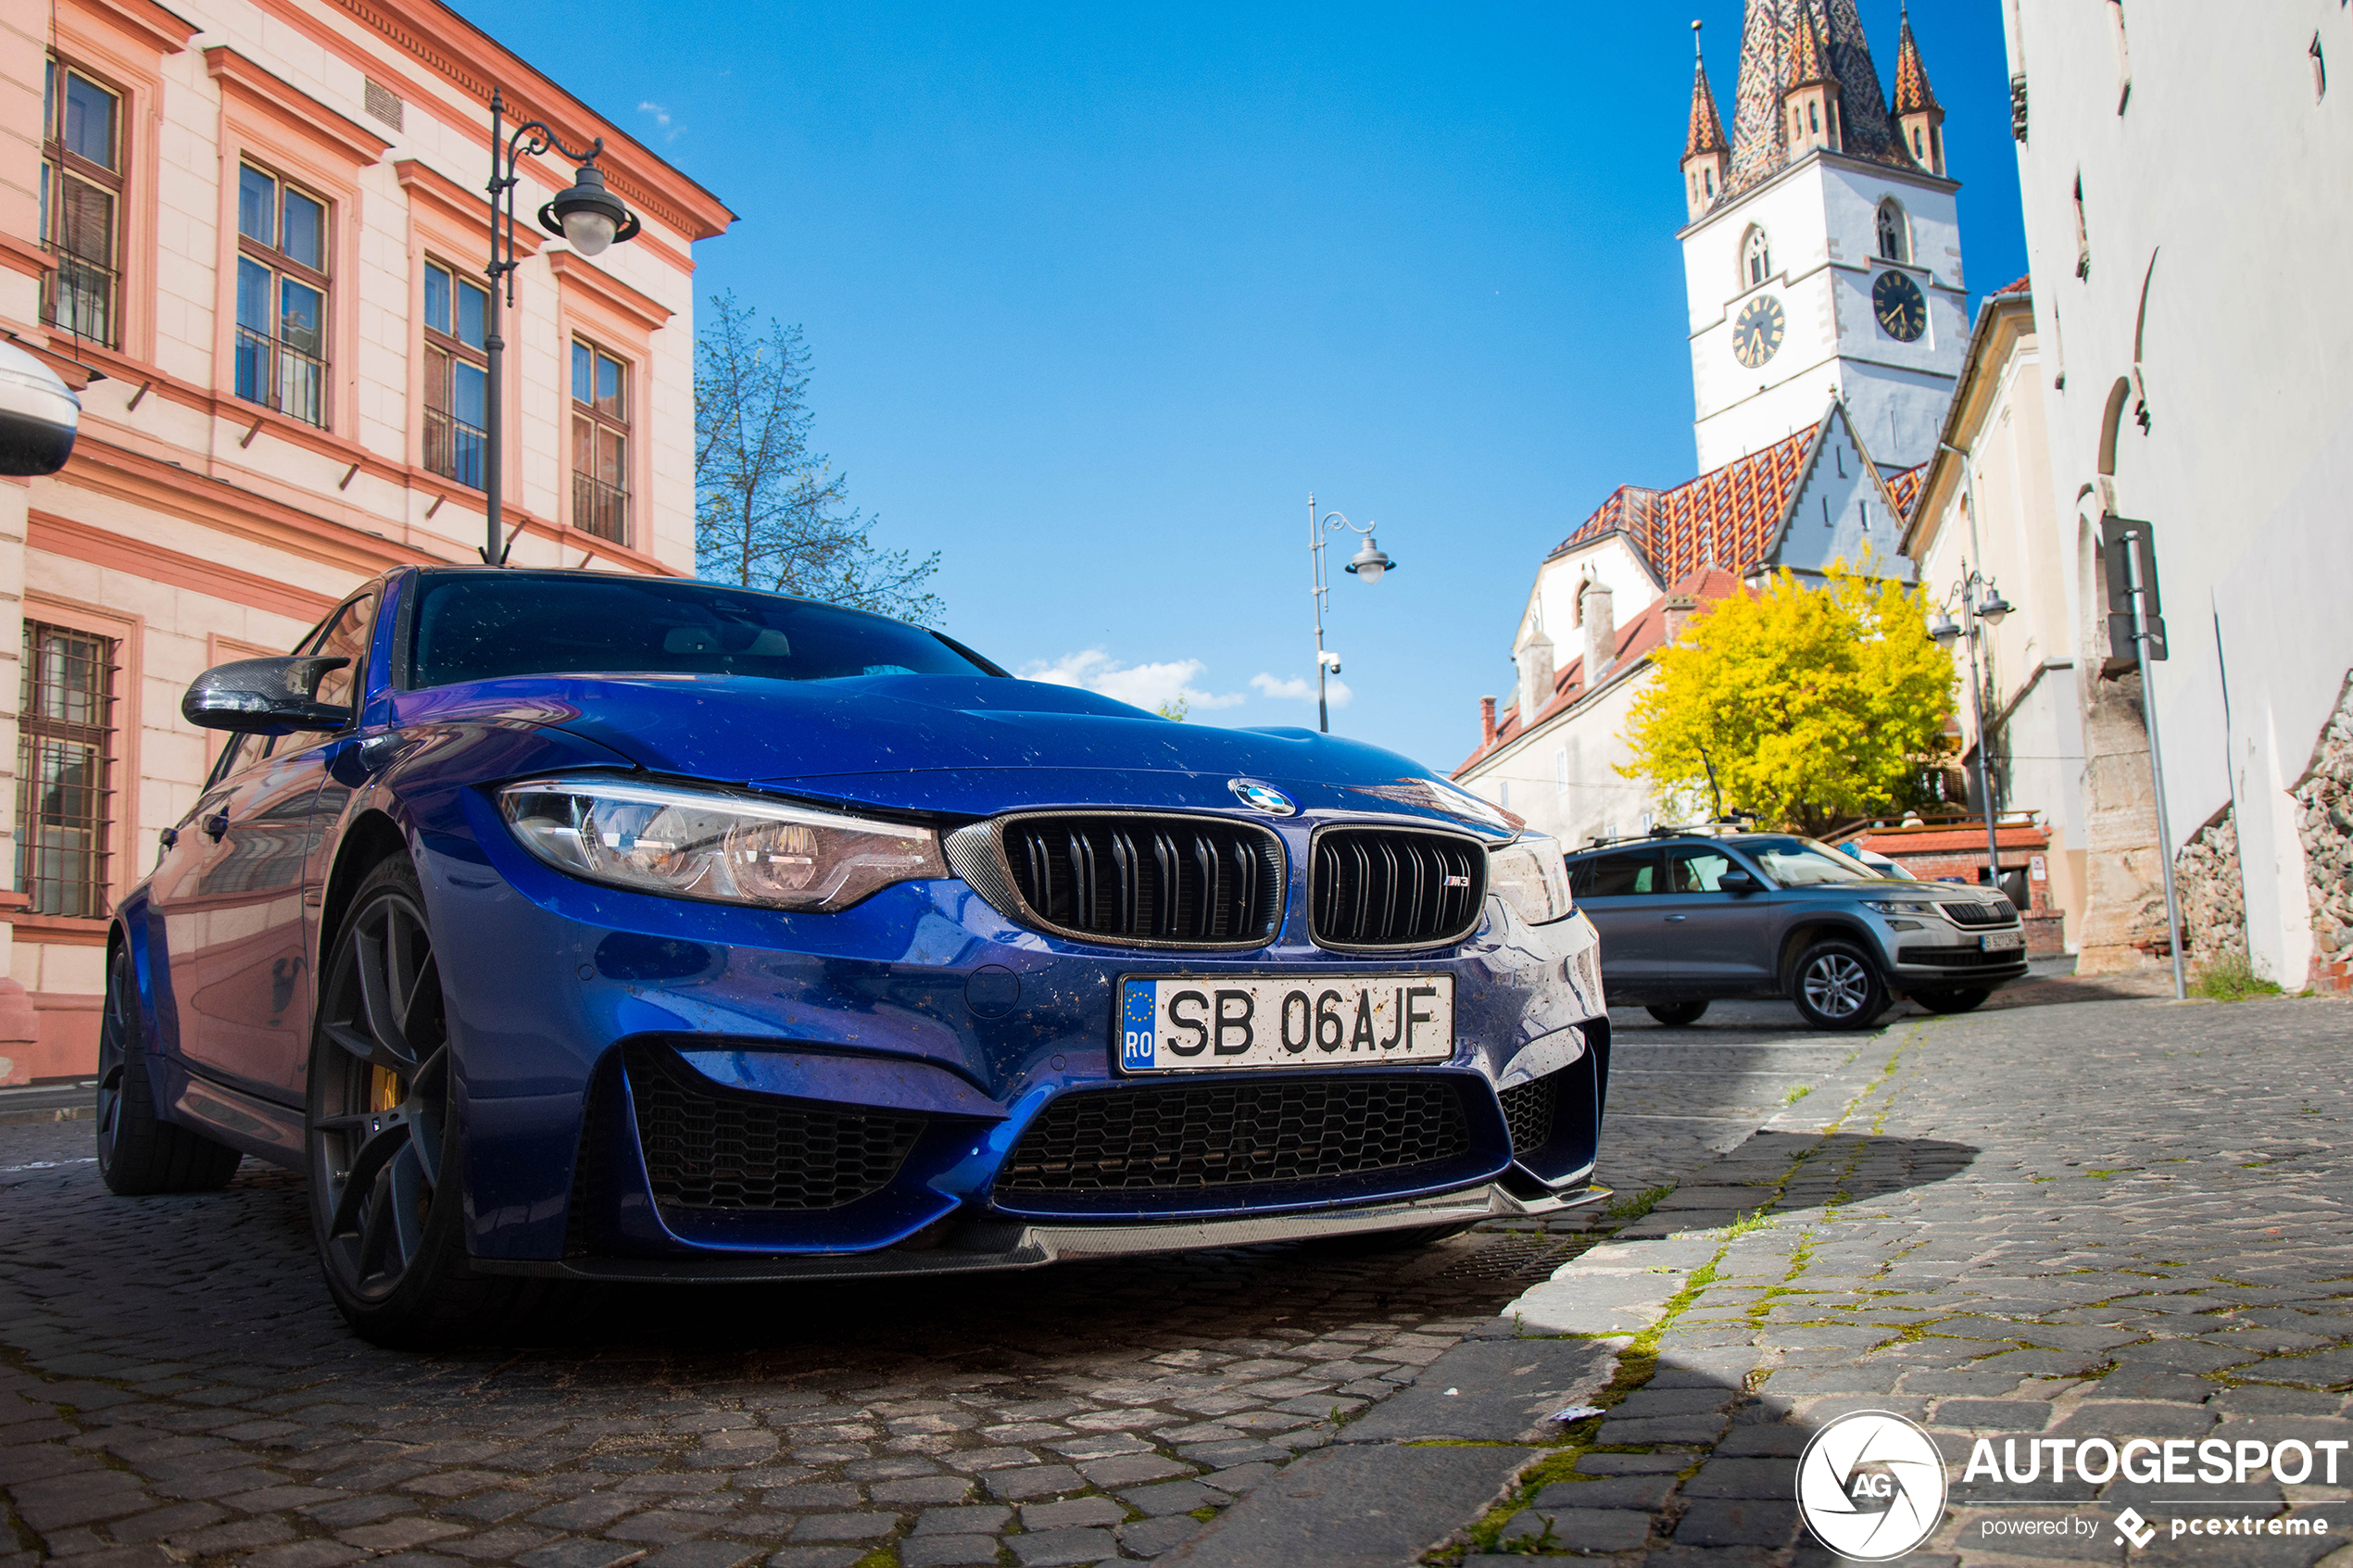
[
  {"x": 1944, "y": 628},
  {"x": 1370, "y": 562},
  {"x": 588, "y": 216},
  {"x": 1992, "y": 609}
]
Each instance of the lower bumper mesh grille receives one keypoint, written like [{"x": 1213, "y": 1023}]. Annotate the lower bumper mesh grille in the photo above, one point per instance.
[
  {"x": 1173, "y": 1137},
  {"x": 1960, "y": 958},
  {"x": 1528, "y": 1110},
  {"x": 711, "y": 1147}
]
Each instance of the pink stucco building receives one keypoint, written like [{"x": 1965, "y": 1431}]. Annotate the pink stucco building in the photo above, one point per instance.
[{"x": 256, "y": 228}]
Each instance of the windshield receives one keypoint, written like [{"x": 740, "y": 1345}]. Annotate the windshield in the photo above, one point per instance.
[
  {"x": 482, "y": 625},
  {"x": 1802, "y": 862}
]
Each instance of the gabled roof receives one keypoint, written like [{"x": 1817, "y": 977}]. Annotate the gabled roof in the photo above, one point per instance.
[
  {"x": 1913, "y": 95},
  {"x": 1637, "y": 640},
  {"x": 1724, "y": 518}
]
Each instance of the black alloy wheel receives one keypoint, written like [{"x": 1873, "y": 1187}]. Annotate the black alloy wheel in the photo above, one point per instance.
[
  {"x": 384, "y": 1153},
  {"x": 1678, "y": 1015},
  {"x": 1952, "y": 998},
  {"x": 1836, "y": 985},
  {"x": 139, "y": 1151}
]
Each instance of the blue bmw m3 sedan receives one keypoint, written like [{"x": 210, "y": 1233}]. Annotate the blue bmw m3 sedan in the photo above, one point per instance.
[{"x": 568, "y": 926}]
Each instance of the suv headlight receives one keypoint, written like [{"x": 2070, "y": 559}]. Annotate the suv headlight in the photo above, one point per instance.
[
  {"x": 1530, "y": 875},
  {"x": 705, "y": 844},
  {"x": 1898, "y": 906}
]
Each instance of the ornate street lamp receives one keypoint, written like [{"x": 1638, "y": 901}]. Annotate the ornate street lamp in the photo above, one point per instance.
[
  {"x": 1365, "y": 566},
  {"x": 588, "y": 217}
]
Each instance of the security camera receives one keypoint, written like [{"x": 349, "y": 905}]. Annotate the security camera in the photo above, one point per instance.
[{"x": 1330, "y": 660}]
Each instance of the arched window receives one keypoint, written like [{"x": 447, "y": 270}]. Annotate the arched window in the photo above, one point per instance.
[
  {"x": 1756, "y": 258},
  {"x": 1894, "y": 235}
]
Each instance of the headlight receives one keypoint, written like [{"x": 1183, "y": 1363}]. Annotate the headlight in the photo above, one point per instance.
[
  {"x": 702, "y": 844},
  {"x": 1530, "y": 876},
  {"x": 1898, "y": 906}
]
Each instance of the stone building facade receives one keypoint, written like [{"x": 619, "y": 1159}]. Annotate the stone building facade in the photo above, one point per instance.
[{"x": 252, "y": 234}]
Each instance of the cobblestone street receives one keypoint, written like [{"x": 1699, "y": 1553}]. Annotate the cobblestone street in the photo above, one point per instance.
[{"x": 2154, "y": 1187}]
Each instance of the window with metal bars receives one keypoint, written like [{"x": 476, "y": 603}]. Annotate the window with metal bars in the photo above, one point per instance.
[
  {"x": 82, "y": 124},
  {"x": 456, "y": 373},
  {"x": 283, "y": 242},
  {"x": 599, "y": 443},
  {"x": 64, "y": 762}
]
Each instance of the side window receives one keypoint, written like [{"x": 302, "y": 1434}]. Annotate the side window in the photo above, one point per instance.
[
  {"x": 1617, "y": 876},
  {"x": 1698, "y": 871},
  {"x": 347, "y": 638}
]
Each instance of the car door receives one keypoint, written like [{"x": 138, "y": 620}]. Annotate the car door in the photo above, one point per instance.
[
  {"x": 1623, "y": 892},
  {"x": 231, "y": 894},
  {"x": 1718, "y": 942}
]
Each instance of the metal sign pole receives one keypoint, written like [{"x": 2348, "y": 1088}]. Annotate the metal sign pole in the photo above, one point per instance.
[{"x": 2135, "y": 542}]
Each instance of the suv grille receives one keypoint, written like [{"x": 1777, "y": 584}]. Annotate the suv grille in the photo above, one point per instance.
[
  {"x": 1172, "y": 1136},
  {"x": 1959, "y": 957},
  {"x": 710, "y": 1147},
  {"x": 2001, "y": 911},
  {"x": 1528, "y": 1110},
  {"x": 1134, "y": 880},
  {"x": 1386, "y": 887}
]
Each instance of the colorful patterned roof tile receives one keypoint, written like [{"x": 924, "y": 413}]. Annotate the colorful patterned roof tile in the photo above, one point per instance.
[
  {"x": 1913, "y": 95},
  {"x": 1724, "y": 518},
  {"x": 1904, "y": 489},
  {"x": 1808, "y": 56},
  {"x": 1708, "y": 128},
  {"x": 1760, "y": 130}
]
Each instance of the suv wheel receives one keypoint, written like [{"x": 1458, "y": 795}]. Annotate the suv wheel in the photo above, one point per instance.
[
  {"x": 1676, "y": 1015},
  {"x": 1837, "y": 986},
  {"x": 1952, "y": 998}
]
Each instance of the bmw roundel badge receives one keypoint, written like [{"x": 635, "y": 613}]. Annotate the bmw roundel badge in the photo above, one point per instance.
[{"x": 1263, "y": 798}]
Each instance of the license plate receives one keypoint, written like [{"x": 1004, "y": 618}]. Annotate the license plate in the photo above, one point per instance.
[
  {"x": 1246, "y": 1021},
  {"x": 2002, "y": 941}
]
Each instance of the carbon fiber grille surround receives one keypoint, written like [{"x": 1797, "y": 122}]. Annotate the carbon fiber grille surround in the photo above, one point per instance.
[
  {"x": 2001, "y": 911},
  {"x": 1172, "y": 1136},
  {"x": 710, "y": 1147},
  {"x": 1528, "y": 1110},
  {"x": 1134, "y": 879},
  {"x": 1382, "y": 887}
]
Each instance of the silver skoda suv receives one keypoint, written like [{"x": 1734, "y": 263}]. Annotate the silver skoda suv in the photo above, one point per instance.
[{"x": 1687, "y": 918}]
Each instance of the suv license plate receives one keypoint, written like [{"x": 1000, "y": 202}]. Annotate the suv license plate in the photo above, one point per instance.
[
  {"x": 2002, "y": 941},
  {"x": 1227, "y": 1022}
]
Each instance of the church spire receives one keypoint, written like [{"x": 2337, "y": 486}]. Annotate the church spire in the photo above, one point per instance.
[
  {"x": 1706, "y": 153},
  {"x": 1918, "y": 117},
  {"x": 1810, "y": 96}
]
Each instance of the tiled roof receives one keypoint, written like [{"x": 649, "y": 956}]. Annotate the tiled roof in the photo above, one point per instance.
[
  {"x": 2025, "y": 285},
  {"x": 1956, "y": 841},
  {"x": 1913, "y": 95},
  {"x": 1636, "y": 641},
  {"x": 1706, "y": 134},
  {"x": 1904, "y": 489},
  {"x": 1724, "y": 518},
  {"x": 1760, "y": 130},
  {"x": 1808, "y": 56}
]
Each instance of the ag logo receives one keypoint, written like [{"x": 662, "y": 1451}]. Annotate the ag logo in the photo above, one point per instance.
[
  {"x": 1871, "y": 1486},
  {"x": 1262, "y": 796}
]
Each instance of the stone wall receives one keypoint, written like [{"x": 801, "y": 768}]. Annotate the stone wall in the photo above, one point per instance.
[
  {"x": 2213, "y": 894},
  {"x": 2124, "y": 907},
  {"x": 2325, "y": 822}
]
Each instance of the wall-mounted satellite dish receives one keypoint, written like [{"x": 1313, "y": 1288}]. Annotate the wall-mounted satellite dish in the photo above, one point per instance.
[{"x": 38, "y": 415}]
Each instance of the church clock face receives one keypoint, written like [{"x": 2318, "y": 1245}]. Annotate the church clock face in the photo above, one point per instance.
[
  {"x": 1757, "y": 331},
  {"x": 1901, "y": 308}
]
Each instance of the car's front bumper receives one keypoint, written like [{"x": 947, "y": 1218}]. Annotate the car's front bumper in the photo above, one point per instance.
[
  {"x": 923, "y": 1003},
  {"x": 1935, "y": 951}
]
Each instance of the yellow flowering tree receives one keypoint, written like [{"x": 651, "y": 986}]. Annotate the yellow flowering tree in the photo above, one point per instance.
[{"x": 1805, "y": 705}]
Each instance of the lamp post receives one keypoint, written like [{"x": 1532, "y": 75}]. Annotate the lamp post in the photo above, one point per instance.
[
  {"x": 1367, "y": 563},
  {"x": 587, "y": 216},
  {"x": 1982, "y": 607}
]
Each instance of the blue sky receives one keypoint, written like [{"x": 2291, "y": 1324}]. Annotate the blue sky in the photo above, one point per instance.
[{"x": 1098, "y": 294}]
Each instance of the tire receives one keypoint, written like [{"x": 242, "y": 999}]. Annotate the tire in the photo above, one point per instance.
[
  {"x": 1952, "y": 998},
  {"x": 1678, "y": 1015},
  {"x": 382, "y": 1144},
  {"x": 1837, "y": 986},
  {"x": 139, "y": 1152}
]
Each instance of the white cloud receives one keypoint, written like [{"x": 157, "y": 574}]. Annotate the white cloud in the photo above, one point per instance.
[
  {"x": 661, "y": 119},
  {"x": 1298, "y": 688},
  {"x": 1146, "y": 685}
]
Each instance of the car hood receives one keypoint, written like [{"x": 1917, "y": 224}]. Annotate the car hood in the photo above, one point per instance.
[{"x": 953, "y": 745}]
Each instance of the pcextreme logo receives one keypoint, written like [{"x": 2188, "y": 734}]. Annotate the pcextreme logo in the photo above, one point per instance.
[{"x": 1871, "y": 1486}]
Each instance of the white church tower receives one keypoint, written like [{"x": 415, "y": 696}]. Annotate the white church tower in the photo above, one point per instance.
[{"x": 1823, "y": 254}]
